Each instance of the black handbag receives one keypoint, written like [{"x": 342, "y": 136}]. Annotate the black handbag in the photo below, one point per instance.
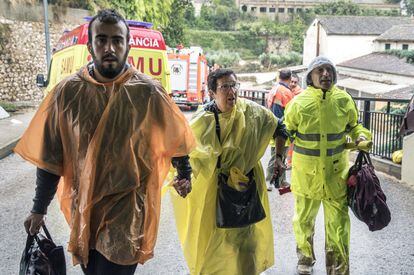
[
  {"x": 42, "y": 257},
  {"x": 365, "y": 196},
  {"x": 235, "y": 209}
]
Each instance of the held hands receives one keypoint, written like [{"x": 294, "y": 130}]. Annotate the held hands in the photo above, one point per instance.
[
  {"x": 280, "y": 166},
  {"x": 33, "y": 223},
  {"x": 182, "y": 186}
]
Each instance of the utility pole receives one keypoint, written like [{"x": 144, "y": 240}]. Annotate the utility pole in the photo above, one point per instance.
[{"x": 47, "y": 37}]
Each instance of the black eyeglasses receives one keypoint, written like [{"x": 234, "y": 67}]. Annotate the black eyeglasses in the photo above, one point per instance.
[{"x": 228, "y": 86}]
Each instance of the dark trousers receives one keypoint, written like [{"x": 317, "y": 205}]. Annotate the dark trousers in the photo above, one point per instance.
[
  {"x": 99, "y": 265},
  {"x": 271, "y": 168}
]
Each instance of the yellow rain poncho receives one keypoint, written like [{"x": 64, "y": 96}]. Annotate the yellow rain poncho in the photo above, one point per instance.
[
  {"x": 245, "y": 134},
  {"x": 112, "y": 143}
]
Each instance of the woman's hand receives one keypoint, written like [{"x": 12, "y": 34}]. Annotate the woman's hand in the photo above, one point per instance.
[
  {"x": 280, "y": 166},
  {"x": 182, "y": 186}
]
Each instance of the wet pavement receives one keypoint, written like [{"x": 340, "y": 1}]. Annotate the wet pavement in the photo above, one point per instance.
[{"x": 389, "y": 251}]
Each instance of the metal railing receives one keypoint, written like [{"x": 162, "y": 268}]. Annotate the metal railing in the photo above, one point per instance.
[
  {"x": 383, "y": 123},
  {"x": 258, "y": 96}
]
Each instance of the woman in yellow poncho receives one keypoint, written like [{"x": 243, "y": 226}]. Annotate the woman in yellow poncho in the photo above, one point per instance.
[{"x": 245, "y": 131}]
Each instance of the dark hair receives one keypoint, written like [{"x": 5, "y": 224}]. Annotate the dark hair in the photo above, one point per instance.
[
  {"x": 217, "y": 74},
  {"x": 295, "y": 76},
  {"x": 108, "y": 16},
  {"x": 285, "y": 74}
]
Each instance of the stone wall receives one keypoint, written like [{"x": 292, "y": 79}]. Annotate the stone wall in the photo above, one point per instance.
[
  {"x": 32, "y": 11},
  {"x": 22, "y": 57},
  {"x": 22, "y": 45}
]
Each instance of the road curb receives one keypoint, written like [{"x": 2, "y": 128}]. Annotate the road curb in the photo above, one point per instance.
[{"x": 8, "y": 148}]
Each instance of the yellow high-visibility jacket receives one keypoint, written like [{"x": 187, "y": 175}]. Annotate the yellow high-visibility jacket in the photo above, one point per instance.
[{"x": 320, "y": 123}]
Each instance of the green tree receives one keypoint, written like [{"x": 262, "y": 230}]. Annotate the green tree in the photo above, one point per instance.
[
  {"x": 297, "y": 29},
  {"x": 349, "y": 8},
  {"x": 189, "y": 16},
  {"x": 409, "y": 5},
  {"x": 266, "y": 29},
  {"x": 227, "y": 3},
  {"x": 218, "y": 16},
  {"x": 154, "y": 11},
  {"x": 174, "y": 32},
  {"x": 338, "y": 8}
]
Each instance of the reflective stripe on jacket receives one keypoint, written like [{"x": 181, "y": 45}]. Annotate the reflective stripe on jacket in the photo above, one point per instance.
[{"x": 320, "y": 125}]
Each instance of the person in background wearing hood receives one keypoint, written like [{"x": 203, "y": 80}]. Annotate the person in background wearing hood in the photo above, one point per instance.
[
  {"x": 319, "y": 120},
  {"x": 110, "y": 132}
]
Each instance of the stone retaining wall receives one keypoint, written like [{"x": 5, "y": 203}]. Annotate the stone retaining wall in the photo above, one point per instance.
[{"x": 22, "y": 57}]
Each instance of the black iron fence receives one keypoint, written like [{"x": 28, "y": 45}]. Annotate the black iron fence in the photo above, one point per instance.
[
  {"x": 384, "y": 122},
  {"x": 258, "y": 96},
  {"x": 382, "y": 117}
]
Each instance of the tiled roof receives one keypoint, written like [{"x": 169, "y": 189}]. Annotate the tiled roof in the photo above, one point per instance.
[
  {"x": 380, "y": 62},
  {"x": 360, "y": 25},
  {"x": 377, "y": 89},
  {"x": 398, "y": 33},
  {"x": 403, "y": 93}
]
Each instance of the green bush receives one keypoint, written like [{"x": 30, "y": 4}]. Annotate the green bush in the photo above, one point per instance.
[
  {"x": 280, "y": 60},
  {"x": 9, "y": 107},
  {"x": 249, "y": 67},
  {"x": 4, "y": 34},
  {"x": 407, "y": 54},
  {"x": 241, "y": 41},
  {"x": 224, "y": 58}
]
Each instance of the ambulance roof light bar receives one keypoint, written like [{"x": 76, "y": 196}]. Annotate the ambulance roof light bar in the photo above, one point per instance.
[{"x": 140, "y": 24}]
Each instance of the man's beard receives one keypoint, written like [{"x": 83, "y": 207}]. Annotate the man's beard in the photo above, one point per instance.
[{"x": 111, "y": 71}]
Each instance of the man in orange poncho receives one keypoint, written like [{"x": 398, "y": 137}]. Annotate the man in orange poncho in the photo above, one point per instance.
[{"x": 111, "y": 133}]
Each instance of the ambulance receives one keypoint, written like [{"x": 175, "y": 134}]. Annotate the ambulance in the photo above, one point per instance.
[
  {"x": 148, "y": 54},
  {"x": 189, "y": 70}
]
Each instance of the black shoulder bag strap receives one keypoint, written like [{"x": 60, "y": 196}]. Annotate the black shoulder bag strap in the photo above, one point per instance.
[
  {"x": 212, "y": 107},
  {"x": 218, "y": 135}
]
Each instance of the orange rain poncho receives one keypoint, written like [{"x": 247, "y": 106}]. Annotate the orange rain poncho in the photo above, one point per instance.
[
  {"x": 245, "y": 134},
  {"x": 113, "y": 144}
]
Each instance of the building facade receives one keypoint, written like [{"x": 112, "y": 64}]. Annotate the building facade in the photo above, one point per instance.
[
  {"x": 283, "y": 9},
  {"x": 341, "y": 38},
  {"x": 400, "y": 37}
]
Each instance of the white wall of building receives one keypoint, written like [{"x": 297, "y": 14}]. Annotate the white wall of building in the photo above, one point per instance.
[
  {"x": 407, "y": 171},
  {"x": 394, "y": 45},
  {"x": 338, "y": 48},
  {"x": 309, "y": 44}
]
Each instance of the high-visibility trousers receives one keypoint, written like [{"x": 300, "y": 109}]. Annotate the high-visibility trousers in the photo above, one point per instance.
[
  {"x": 289, "y": 155},
  {"x": 337, "y": 232}
]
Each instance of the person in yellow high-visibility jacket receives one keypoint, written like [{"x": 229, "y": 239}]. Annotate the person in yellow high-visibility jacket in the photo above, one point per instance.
[{"x": 319, "y": 120}]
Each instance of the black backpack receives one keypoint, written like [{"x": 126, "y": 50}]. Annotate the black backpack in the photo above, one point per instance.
[
  {"x": 365, "y": 196},
  {"x": 42, "y": 256}
]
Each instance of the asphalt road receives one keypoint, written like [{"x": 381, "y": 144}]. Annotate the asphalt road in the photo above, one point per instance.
[{"x": 389, "y": 251}]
